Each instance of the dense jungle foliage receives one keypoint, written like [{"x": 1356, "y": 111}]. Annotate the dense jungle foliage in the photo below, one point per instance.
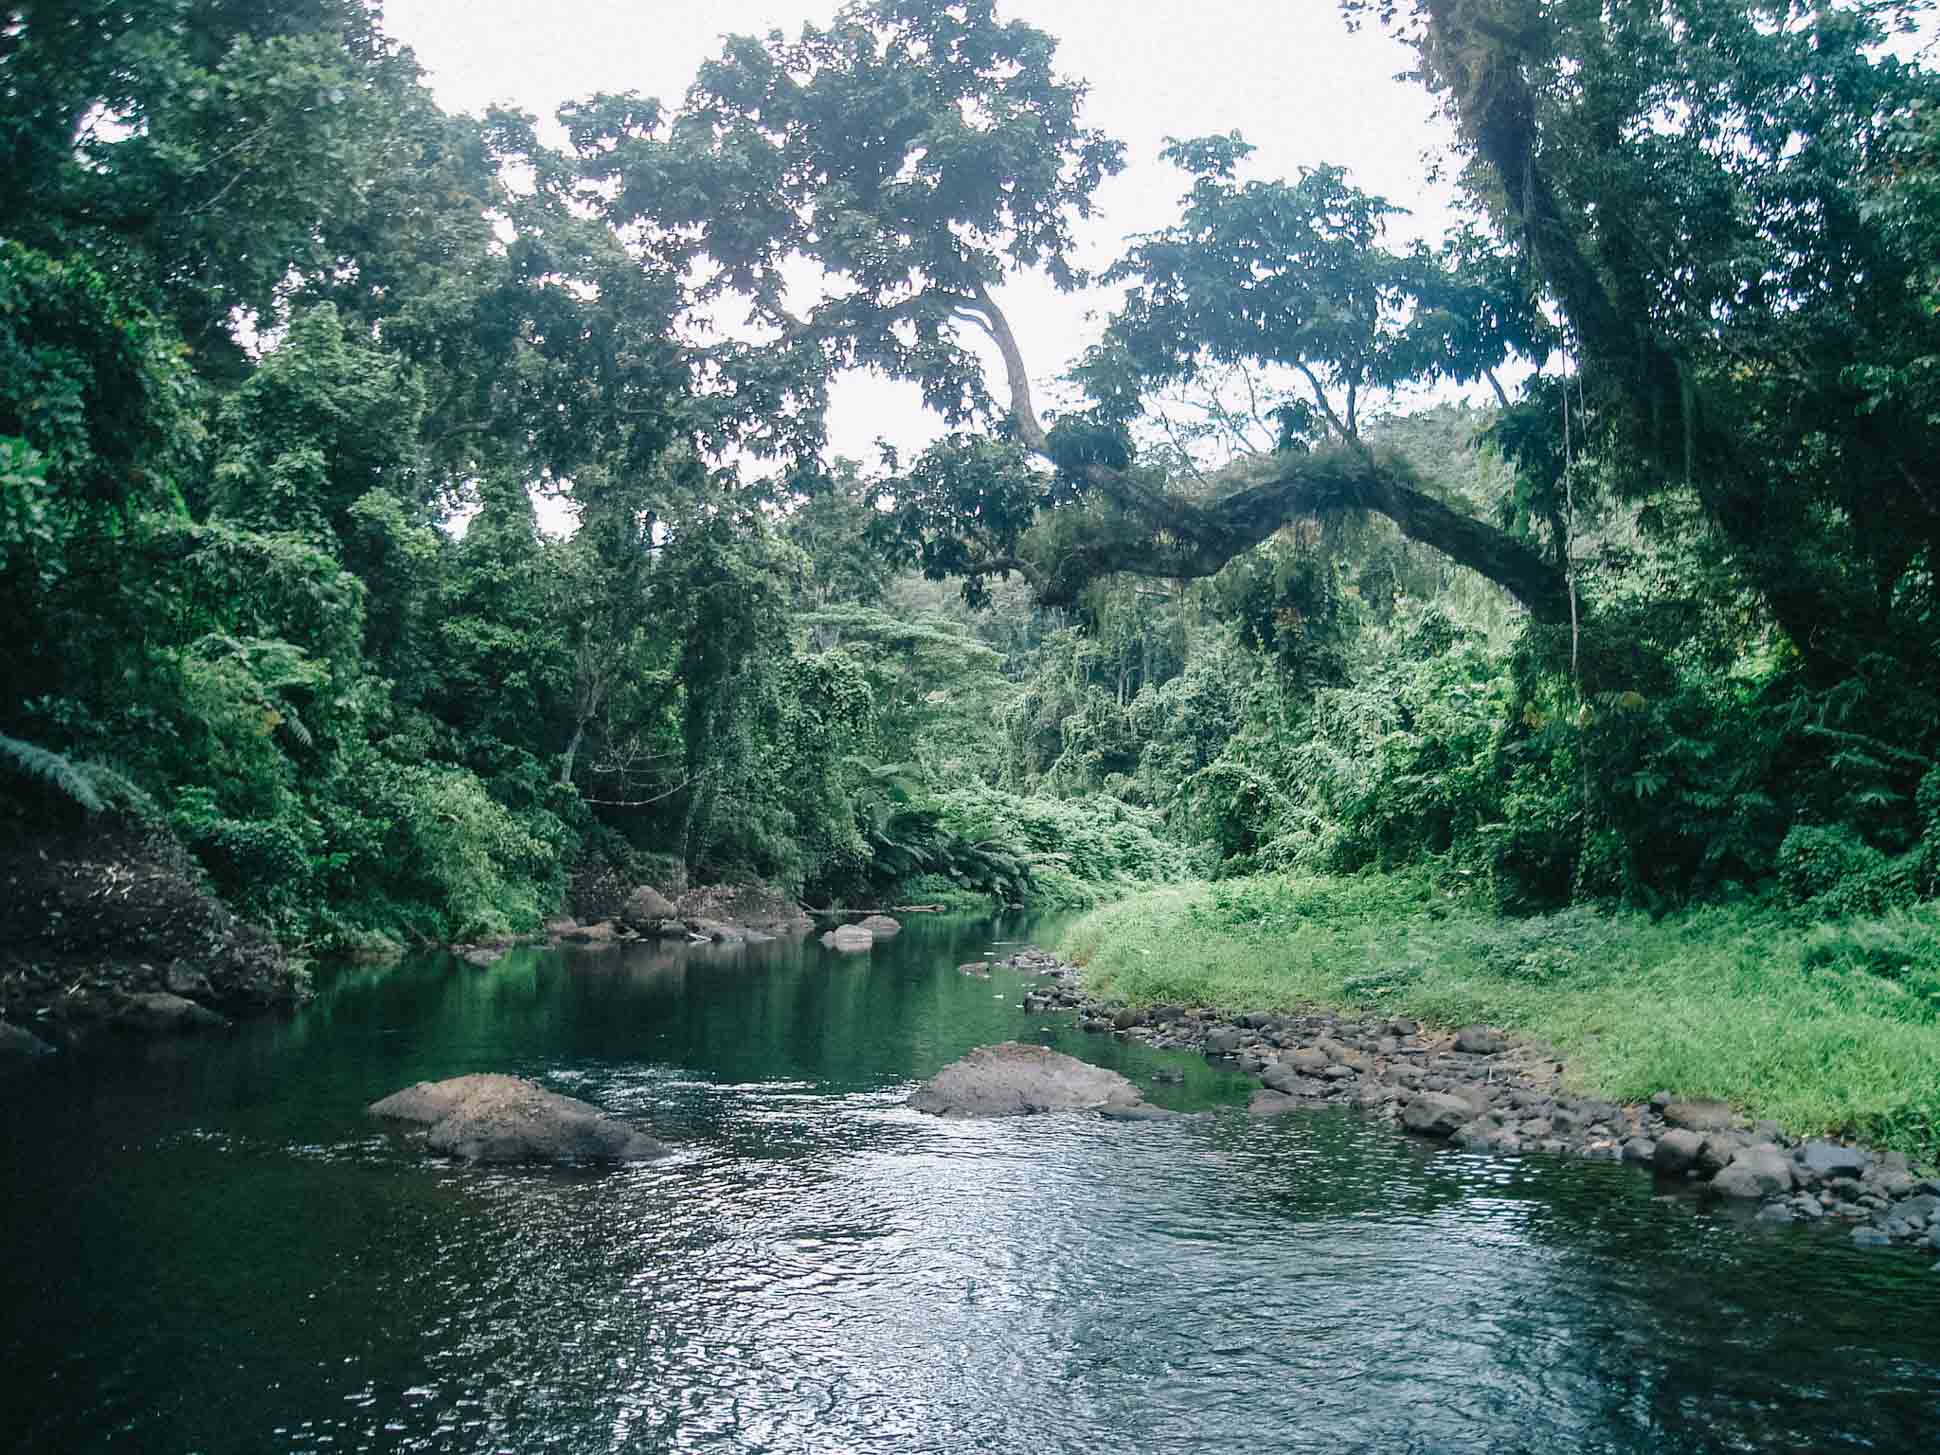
[{"x": 293, "y": 364}]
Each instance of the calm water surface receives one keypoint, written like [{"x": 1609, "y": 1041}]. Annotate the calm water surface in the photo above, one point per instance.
[{"x": 210, "y": 1249}]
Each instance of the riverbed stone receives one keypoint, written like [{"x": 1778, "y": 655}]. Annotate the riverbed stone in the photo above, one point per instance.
[
  {"x": 492, "y": 1118},
  {"x": 163, "y": 1014},
  {"x": 1222, "y": 1040},
  {"x": 1831, "y": 1159},
  {"x": 1716, "y": 1153},
  {"x": 1639, "y": 1149},
  {"x": 848, "y": 939},
  {"x": 1868, "y": 1236},
  {"x": 1435, "y": 1113},
  {"x": 1677, "y": 1151},
  {"x": 1013, "y": 1079},
  {"x": 881, "y": 925},
  {"x": 1480, "y": 1041},
  {"x": 1755, "y": 1172},
  {"x": 1266, "y": 1103},
  {"x": 1124, "y": 1020},
  {"x": 1700, "y": 1115}
]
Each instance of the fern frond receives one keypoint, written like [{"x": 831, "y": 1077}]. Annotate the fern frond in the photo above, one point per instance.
[{"x": 57, "y": 771}]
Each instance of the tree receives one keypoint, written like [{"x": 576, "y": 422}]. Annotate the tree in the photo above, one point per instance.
[
  {"x": 918, "y": 153},
  {"x": 1724, "y": 201}
]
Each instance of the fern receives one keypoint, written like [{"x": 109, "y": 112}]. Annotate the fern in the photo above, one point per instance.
[{"x": 60, "y": 773}]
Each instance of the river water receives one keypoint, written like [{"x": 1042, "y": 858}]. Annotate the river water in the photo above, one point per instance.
[{"x": 208, "y": 1248}]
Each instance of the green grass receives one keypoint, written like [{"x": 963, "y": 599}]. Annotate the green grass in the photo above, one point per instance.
[{"x": 1825, "y": 1028}]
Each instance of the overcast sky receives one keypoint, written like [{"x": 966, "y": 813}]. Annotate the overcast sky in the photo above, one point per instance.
[{"x": 1285, "y": 73}]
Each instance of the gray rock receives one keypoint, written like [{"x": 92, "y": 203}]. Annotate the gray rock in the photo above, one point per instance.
[
  {"x": 17, "y": 1044},
  {"x": 1307, "y": 1060},
  {"x": 1125, "y": 1019},
  {"x": 1756, "y": 1172},
  {"x": 1012, "y": 1079},
  {"x": 1867, "y": 1236},
  {"x": 1222, "y": 1041},
  {"x": 1776, "y": 1212},
  {"x": 1659, "y": 1100},
  {"x": 1923, "y": 1205},
  {"x": 483, "y": 957},
  {"x": 1480, "y": 1041},
  {"x": 1677, "y": 1151},
  {"x": 848, "y": 939},
  {"x": 596, "y": 934},
  {"x": 1272, "y": 1103},
  {"x": 1435, "y": 1113},
  {"x": 1137, "y": 1112},
  {"x": 1401, "y": 1025},
  {"x": 1537, "y": 1129},
  {"x": 163, "y": 1014},
  {"x": 1639, "y": 1149},
  {"x": 646, "y": 909},
  {"x": 1808, "y": 1206},
  {"x": 492, "y": 1118},
  {"x": 882, "y": 926},
  {"x": 1700, "y": 1116},
  {"x": 1830, "y": 1159},
  {"x": 1717, "y": 1153}
]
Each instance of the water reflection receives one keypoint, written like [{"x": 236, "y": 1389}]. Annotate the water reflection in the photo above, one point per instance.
[{"x": 221, "y": 1255}]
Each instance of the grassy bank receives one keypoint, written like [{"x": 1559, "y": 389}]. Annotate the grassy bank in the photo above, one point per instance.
[{"x": 1829, "y": 1027}]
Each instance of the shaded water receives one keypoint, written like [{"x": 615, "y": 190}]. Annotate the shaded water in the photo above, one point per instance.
[{"x": 210, "y": 1249}]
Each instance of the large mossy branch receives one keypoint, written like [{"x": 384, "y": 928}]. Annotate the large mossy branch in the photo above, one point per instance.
[{"x": 1154, "y": 534}]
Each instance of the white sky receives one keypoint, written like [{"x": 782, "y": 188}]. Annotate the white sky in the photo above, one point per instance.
[{"x": 1285, "y": 73}]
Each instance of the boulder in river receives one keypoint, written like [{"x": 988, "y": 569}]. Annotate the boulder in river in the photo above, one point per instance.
[
  {"x": 848, "y": 938},
  {"x": 1756, "y": 1172},
  {"x": 881, "y": 925},
  {"x": 1831, "y": 1159},
  {"x": 492, "y": 1118},
  {"x": 1435, "y": 1113},
  {"x": 166, "y": 1014},
  {"x": 1012, "y": 1079}
]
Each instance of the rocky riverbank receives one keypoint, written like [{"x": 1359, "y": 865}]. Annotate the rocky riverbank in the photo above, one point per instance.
[
  {"x": 113, "y": 928},
  {"x": 1486, "y": 1091}
]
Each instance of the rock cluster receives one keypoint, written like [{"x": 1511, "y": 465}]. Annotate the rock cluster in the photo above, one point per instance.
[
  {"x": 1481, "y": 1089},
  {"x": 492, "y": 1118}
]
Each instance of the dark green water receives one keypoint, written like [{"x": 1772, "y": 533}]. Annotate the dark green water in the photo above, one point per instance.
[{"x": 209, "y": 1249}]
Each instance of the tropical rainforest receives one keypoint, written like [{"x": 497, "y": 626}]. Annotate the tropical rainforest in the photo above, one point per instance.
[{"x": 295, "y": 366}]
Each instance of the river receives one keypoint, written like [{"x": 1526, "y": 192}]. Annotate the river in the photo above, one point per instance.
[{"x": 206, "y": 1247}]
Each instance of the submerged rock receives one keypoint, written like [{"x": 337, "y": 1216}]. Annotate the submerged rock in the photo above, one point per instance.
[
  {"x": 493, "y": 1118},
  {"x": 1012, "y": 1079},
  {"x": 166, "y": 1014},
  {"x": 881, "y": 925},
  {"x": 1756, "y": 1172},
  {"x": 848, "y": 938}
]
